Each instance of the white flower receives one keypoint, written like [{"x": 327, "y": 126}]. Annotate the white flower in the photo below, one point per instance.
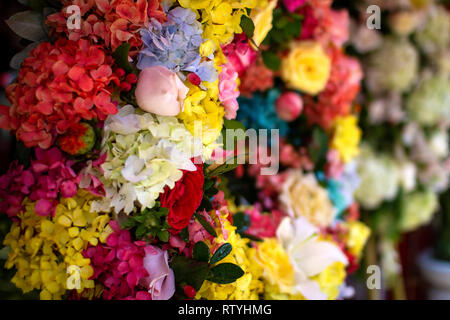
[
  {"x": 439, "y": 144},
  {"x": 407, "y": 175},
  {"x": 308, "y": 254},
  {"x": 144, "y": 154}
]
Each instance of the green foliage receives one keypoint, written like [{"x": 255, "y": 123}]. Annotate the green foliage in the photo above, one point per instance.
[
  {"x": 271, "y": 60},
  {"x": 201, "y": 252},
  {"x": 208, "y": 227},
  {"x": 225, "y": 273},
  {"x": 247, "y": 26},
  {"x": 221, "y": 253},
  {"x": 120, "y": 55},
  {"x": 149, "y": 223}
]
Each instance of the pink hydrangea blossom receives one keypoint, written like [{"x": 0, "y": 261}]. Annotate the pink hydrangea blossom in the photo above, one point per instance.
[
  {"x": 263, "y": 225},
  {"x": 239, "y": 53},
  {"x": 292, "y": 5},
  {"x": 49, "y": 176},
  {"x": 130, "y": 270},
  {"x": 228, "y": 90}
]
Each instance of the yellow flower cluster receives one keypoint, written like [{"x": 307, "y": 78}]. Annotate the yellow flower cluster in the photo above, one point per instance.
[
  {"x": 278, "y": 272},
  {"x": 203, "y": 114},
  {"x": 249, "y": 286},
  {"x": 331, "y": 279},
  {"x": 221, "y": 18},
  {"x": 346, "y": 138},
  {"x": 356, "y": 238},
  {"x": 47, "y": 251}
]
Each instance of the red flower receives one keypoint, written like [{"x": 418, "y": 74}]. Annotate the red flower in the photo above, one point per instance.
[
  {"x": 184, "y": 198},
  {"x": 108, "y": 22},
  {"x": 59, "y": 85}
]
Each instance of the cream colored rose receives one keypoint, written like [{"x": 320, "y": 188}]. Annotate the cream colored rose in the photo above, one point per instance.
[
  {"x": 262, "y": 19},
  {"x": 307, "y": 67},
  {"x": 302, "y": 196}
]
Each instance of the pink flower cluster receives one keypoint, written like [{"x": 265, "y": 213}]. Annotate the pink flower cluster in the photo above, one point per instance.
[
  {"x": 49, "y": 176},
  {"x": 257, "y": 77},
  {"x": 228, "y": 90},
  {"x": 263, "y": 225},
  {"x": 341, "y": 90},
  {"x": 324, "y": 24},
  {"x": 130, "y": 270},
  {"x": 239, "y": 53},
  {"x": 58, "y": 85},
  {"x": 111, "y": 21},
  {"x": 292, "y": 5}
]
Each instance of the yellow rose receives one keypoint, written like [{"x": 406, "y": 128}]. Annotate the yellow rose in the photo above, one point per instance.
[
  {"x": 262, "y": 19},
  {"x": 306, "y": 68}
]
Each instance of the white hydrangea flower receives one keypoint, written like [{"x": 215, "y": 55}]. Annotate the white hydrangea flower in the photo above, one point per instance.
[{"x": 145, "y": 153}]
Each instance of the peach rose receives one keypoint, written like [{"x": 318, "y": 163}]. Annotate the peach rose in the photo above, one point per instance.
[{"x": 160, "y": 91}]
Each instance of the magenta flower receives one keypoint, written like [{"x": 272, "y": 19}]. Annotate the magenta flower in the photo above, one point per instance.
[
  {"x": 292, "y": 5},
  {"x": 49, "y": 176}
]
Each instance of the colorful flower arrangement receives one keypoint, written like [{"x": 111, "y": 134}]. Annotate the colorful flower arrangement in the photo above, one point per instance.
[
  {"x": 296, "y": 77},
  {"x": 120, "y": 117},
  {"x": 404, "y": 165},
  {"x": 120, "y": 194}
]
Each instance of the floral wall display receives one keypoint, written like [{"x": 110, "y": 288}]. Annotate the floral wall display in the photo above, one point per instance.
[{"x": 404, "y": 162}]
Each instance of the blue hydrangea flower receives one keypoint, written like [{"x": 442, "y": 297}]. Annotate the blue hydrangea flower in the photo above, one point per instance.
[
  {"x": 340, "y": 191},
  {"x": 258, "y": 112},
  {"x": 175, "y": 45}
]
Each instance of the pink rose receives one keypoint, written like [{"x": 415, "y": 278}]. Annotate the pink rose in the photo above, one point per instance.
[
  {"x": 161, "y": 279},
  {"x": 289, "y": 106},
  {"x": 160, "y": 91},
  {"x": 228, "y": 90}
]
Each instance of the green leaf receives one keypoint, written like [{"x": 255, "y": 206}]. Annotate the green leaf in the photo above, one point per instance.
[
  {"x": 208, "y": 227},
  {"x": 221, "y": 253},
  {"x": 129, "y": 223},
  {"x": 250, "y": 236},
  {"x": 163, "y": 235},
  {"x": 247, "y": 26},
  {"x": 141, "y": 231},
  {"x": 223, "y": 169},
  {"x": 184, "y": 234},
  {"x": 189, "y": 271},
  {"x": 28, "y": 25},
  {"x": 121, "y": 58},
  {"x": 241, "y": 221},
  {"x": 271, "y": 60},
  {"x": 233, "y": 124},
  {"x": 225, "y": 273},
  {"x": 201, "y": 252},
  {"x": 318, "y": 148}
]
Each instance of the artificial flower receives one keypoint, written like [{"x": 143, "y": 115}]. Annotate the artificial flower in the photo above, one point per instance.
[
  {"x": 393, "y": 66},
  {"x": 111, "y": 23},
  {"x": 289, "y": 106},
  {"x": 160, "y": 91},
  {"x": 306, "y": 67},
  {"x": 346, "y": 137},
  {"x": 184, "y": 199},
  {"x": 302, "y": 196},
  {"x": 77, "y": 86},
  {"x": 262, "y": 19},
  {"x": 309, "y": 255},
  {"x": 144, "y": 155},
  {"x": 175, "y": 44},
  {"x": 44, "y": 249}
]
